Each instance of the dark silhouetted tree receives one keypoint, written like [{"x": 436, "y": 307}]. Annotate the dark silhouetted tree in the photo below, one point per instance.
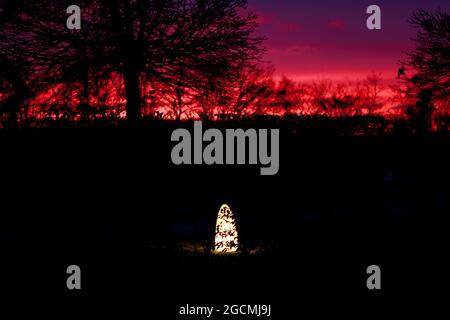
[
  {"x": 334, "y": 100},
  {"x": 429, "y": 64},
  {"x": 289, "y": 97},
  {"x": 180, "y": 43},
  {"x": 420, "y": 114},
  {"x": 431, "y": 57},
  {"x": 13, "y": 91},
  {"x": 371, "y": 95}
]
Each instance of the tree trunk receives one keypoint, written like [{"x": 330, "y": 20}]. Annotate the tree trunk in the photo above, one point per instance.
[{"x": 133, "y": 93}]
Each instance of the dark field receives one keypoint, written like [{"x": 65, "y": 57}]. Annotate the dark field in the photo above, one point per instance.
[{"x": 141, "y": 229}]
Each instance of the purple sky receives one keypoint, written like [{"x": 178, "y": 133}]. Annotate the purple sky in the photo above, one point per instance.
[{"x": 328, "y": 39}]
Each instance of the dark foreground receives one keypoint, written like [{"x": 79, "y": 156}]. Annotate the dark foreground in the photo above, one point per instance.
[{"x": 111, "y": 202}]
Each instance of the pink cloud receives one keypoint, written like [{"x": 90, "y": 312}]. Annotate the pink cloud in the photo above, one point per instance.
[
  {"x": 265, "y": 18},
  {"x": 290, "y": 51},
  {"x": 336, "y": 24},
  {"x": 289, "y": 27},
  {"x": 272, "y": 20}
]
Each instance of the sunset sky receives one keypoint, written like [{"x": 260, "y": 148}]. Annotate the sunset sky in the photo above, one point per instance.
[{"x": 328, "y": 39}]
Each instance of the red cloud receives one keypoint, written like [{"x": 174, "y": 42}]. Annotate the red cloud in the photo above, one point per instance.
[
  {"x": 264, "y": 18},
  {"x": 336, "y": 24}
]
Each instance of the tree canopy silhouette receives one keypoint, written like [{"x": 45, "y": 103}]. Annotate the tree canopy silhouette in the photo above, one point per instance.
[
  {"x": 429, "y": 63},
  {"x": 431, "y": 57},
  {"x": 191, "y": 44}
]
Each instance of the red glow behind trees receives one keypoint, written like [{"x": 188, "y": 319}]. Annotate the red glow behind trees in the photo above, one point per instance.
[
  {"x": 185, "y": 44},
  {"x": 179, "y": 60}
]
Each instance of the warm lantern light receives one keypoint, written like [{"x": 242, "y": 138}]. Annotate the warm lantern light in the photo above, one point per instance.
[{"x": 226, "y": 238}]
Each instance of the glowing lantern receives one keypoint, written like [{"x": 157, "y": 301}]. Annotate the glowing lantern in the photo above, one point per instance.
[{"x": 226, "y": 238}]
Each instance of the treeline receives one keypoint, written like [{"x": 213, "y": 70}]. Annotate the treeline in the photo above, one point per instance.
[
  {"x": 366, "y": 107},
  {"x": 253, "y": 93},
  {"x": 189, "y": 59}
]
